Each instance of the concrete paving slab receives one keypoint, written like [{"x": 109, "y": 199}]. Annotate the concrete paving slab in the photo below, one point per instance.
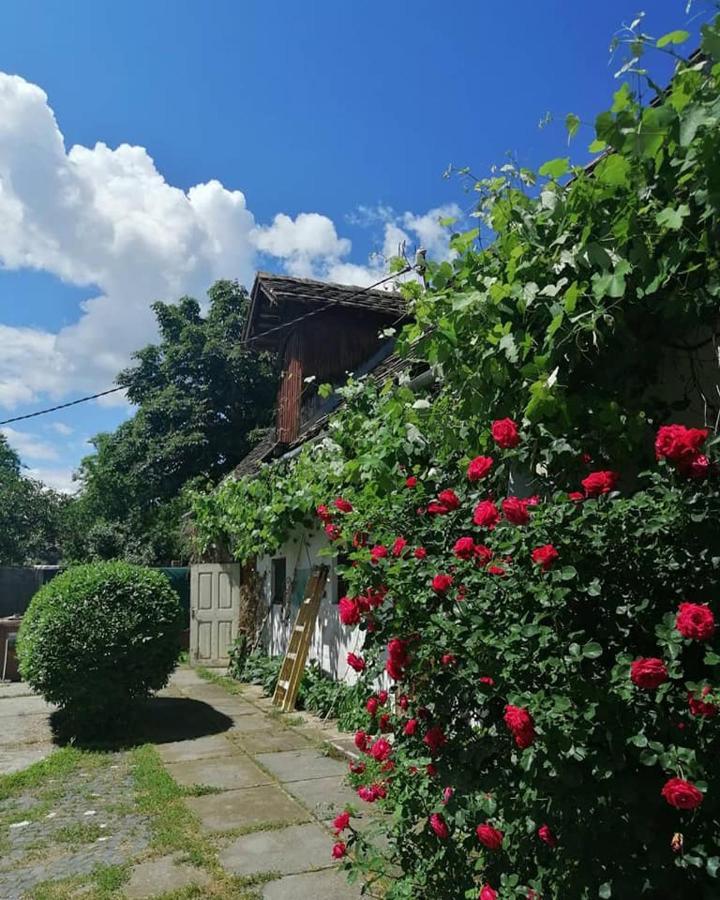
[
  {"x": 233, "y": 708},
  {"x": 270, "y": 741},
  {"x": 161, "y": 876},
  {"x": 299, "y": 765},
  {"x": 15, "y": 689},
  {"x": 249, "y": 806},
  {"x": 30, "y": 729},
  {"x": 13, "y": 759},
  {"x": 26, "y": 705},
  {"x": 324, "y": 797},
  {"x": 326, "y": 885},
  {"x": 254, "y": 722},
  {"x": 227, "y": 772},
  {"x": 287, "y": 851},
  {"x": 199, "y": 748},
  {"x": 184, "y": 675}
]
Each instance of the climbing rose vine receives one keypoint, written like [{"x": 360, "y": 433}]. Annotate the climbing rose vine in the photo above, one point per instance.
[{"x": 540, "y": 710}]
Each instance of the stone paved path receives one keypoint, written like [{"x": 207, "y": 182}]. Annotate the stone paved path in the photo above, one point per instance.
[{"x": 264, "y": 794}]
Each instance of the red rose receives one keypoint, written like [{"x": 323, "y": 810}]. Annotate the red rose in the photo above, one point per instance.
[
  {"x": 545, "y": 834},
  {"x": 464, "y": 548},
  {"x": 398, "y": 658},
  {"x": 403, "y": 701},
  {"x": 576, "y": 496},
  {"x": 372, "y": 705},
  {"x": 516, "y": 510},
  {"x": 436, "y": 509},
  {"x": 411, "y": 481},
  {"x": 483, "y": 554},
  {"x": 442, "y": 583},
  {"x": 359, "y": 539},
  {"x": 357, "y": 768},
  {"x": 439, "y": 826},
  {"x": 448, "y": 795},
  {"x": 489, "y": 837},
  {"x": 374, "y": 597},
  {"x": 696, "y": 468},
  {"x": 435, "y": 739},
  {"x": 486, "y": 679},
  {"x": 487, "y": 893},
  {"x": 410, "y": 727},
  {"x": 678, "y": 443},
  {"x": 384, "y": 723},
  {"x": 339, "y": 850},
  {"x": 323, "y": 512},
  {"x": 382, "y": 697},
  {"x": 420, "y": 553},
  {"x": 431, "y": 770},
  {"x": 356, "y": 662},
  {"x": 343, "y": 505},
  {"x": 495, "y": 570},
  {"x": 381, "y": 749},
  {"x": 648, "y": 673},
  {"x": 368, "y": 794},
  {"x": 544, "y": 556},
  {"x": 505, "y": 433},
  {"x": 486, "y": 514},
  {"x": 398, "y": 546},
  {"x": 700, "y": 707},
  {"x": 349, "y": 610},
  {"x": 681, "y": 794},
  {"x": 520, "y": 723},
  {"x": 448, "y": 659},
  {"x": 449, "y": 499},
  {"x": 600, "y": 483},
  {"x": 377, "y": 553},
  {"x": 479, "y": 467},
  {"x": 695, "y": 621},
  {"x": 333, "y": 532},
  {"x": 361, "y": 740},
  {"x": 341, "y": 822}
]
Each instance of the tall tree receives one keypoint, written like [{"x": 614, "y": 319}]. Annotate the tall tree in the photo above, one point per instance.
[{"x": 200, "y": 394}]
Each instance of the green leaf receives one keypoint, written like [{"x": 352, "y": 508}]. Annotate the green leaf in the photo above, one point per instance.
[
  {"x": 572, "y": 123},
  {"x": 613, "y": 170},
  {"x": 673, "y": 37},
  {"x": 567, "y": 573},
  {"x": 672, "y": 217},
  {"x": 555, "y": 168},
  {"x": 592, "y": 650},
  {"x": 605, "y": 890},
  {"x": 597, "y": 146}
]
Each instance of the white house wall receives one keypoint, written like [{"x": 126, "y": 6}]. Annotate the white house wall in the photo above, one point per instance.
[{"x": 331, "y": 641}]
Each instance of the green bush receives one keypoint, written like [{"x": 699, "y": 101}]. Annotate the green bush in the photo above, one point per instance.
[{"x": 98, "y": 637}]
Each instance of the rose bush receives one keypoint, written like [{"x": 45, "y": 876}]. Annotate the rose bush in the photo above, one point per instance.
[{"x": 549, "y": 729}]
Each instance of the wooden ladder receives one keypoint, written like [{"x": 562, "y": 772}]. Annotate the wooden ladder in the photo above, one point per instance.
[{"x": 294, "y": 663}]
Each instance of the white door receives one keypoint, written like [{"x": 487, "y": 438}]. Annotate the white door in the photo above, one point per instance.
[{"x": 214, "y": 611}]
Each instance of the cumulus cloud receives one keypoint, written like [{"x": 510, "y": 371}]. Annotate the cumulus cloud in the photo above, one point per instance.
[
  {"x": 28, "y": 445},
  {"x": 107, "y": 219},
  {"x": 59, "y": 479}
]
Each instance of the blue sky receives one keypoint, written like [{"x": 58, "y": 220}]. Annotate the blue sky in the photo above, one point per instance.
[{"x": 296, "y": 136}]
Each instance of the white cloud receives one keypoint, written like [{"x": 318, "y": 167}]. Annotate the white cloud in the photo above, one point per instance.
[
  {"x": 58, "y": 479},
  {"x": 60, "y": 428},
  {"x": 105, "y": 217},
  {"x": 28, "y": 445}
]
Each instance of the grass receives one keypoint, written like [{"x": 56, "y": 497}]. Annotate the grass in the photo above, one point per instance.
[{"x": 224, "y": 681}]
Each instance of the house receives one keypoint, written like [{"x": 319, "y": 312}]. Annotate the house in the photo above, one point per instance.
[{"x": 321, "y": 332}]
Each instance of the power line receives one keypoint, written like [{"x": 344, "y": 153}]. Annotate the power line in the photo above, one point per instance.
[{"x": 314, "y": 312}]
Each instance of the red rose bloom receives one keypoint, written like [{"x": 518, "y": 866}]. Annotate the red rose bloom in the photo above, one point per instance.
[
  {"x": 361, "y": 740},
  {"x": 520, "y": 723},
  {"x": 420, "y": 553},
  {"x": 398, "y": 658},
  {"x": 377, "y": 553},
  {"x": 495, "y": 570},
  {"x": 544, "y": 556},
  {"x": 341, "y": 822},
  {"x": 695, "y": 621},
  {"x": 681, "y": 794},
  {"x": 333, "y": 532},
  {"x": 381, "y": 749},
  {"x": 343, "y": 505},
  {"x": 489, "y": 837},
  {"x": 576, "y": 496},
  {"x": 487, "y": 893},
  {"x": 442, "y": 583},
  {"x": 411, "y": 482},
  {"x": 516, "y": 510},
  {"x": 410, "y": 727},
  {"x": 648, "y": 673},
  {"x": 382, "y": 697},
  {"x": 598, "y": 483},
  {"x": 349, "y": 610},
  {"x": 448, "y": 659},
  {"x": 372, "y": 705},
  {"x": 696, "y": 468},
  {"x": 486, "y": 514},
  {"x": 435, "y": 739},
  {"x": 700, "y": 707},
  {"x": 323, "y": 512},
  {"x": 398, "y": 546},
  {"x": 449, "y": 499},
  {"x": 403, "y": 701},
  {"x": 479, "y": 467},
  {"x": 384, "y": 723},
  {"x": 486, "y": 679},
  {"x": 356, "y": 662},
  {"x": 436, "y": 509},
  {"x": 545, "y": 834},
  {"x": 439, "y": 826},
  {"x": 505, "y": 433},
  {"x": 339, "y": 850},
  {"x": 678, "y": 443},
  {"x": 483, "y": 554},
  {"x": 464, "y": 548},
  {"x": 357, "y": 768}
]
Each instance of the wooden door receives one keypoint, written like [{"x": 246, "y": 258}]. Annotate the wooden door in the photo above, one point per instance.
[{"x": 214, "y": 612}]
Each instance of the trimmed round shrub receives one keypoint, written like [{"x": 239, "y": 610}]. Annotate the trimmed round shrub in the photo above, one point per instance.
[{"x": 100, "y": 636}]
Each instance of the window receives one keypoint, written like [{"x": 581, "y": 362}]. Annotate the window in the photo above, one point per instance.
[{"x": 277, "y": 579}]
